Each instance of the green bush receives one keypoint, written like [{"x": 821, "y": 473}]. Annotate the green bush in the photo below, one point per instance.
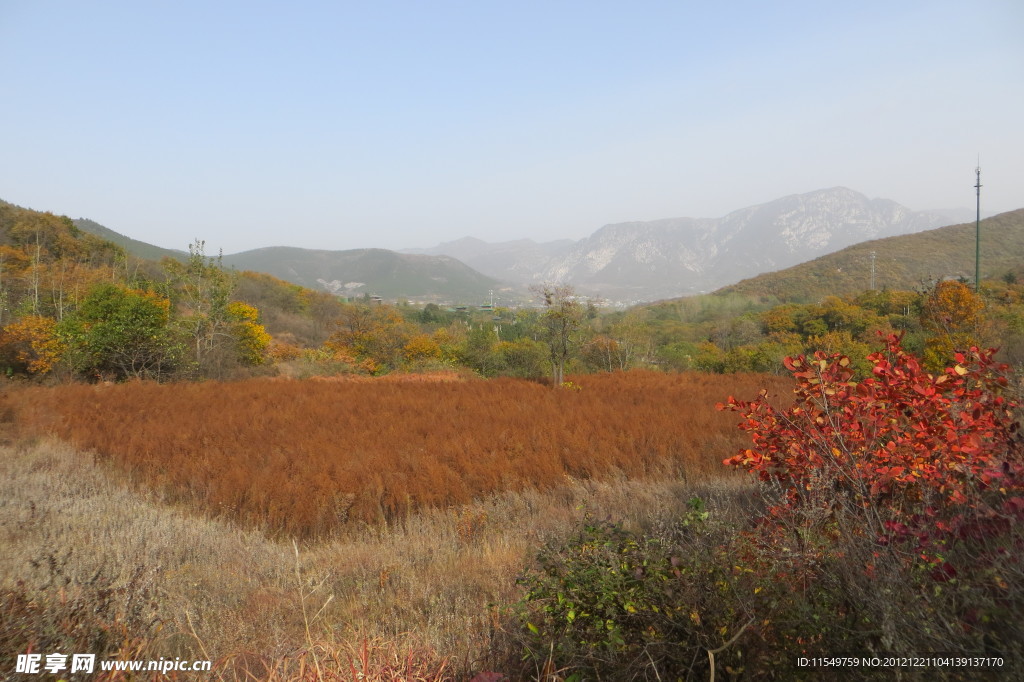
[{"x": 620, "y": 605}]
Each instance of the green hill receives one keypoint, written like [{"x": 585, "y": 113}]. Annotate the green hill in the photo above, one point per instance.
[
  {"x": 903, "y": 262},
  {"x": 132, "y": 246},
  {"x": 371, "y": 271},
  {"x": 376, "y": 272}
]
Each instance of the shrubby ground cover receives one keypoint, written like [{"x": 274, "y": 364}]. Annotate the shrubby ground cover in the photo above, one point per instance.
[{"x": 889, "y": 525}]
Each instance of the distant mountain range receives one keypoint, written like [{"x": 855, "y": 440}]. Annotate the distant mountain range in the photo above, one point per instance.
[
  {"x": 643, "y": 261},
  {"x": 624, "y": 262}
]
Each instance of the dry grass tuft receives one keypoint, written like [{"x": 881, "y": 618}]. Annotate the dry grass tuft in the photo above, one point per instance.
[{"x": 377, "y": 660}]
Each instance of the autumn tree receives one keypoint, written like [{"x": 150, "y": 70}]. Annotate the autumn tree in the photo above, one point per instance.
[
  {"x": 953, "y": 315},
  {"x": 421, "y": 350},
  {"x": 372, "y": 333},
  {"x": 780, "y": 319},
  {"x": 14, "y": 263},
  {"x": 31, "y": 344},
  {"x": 47, "y": 264},
  {"x": 251, "y": 340},
  {"x": 452, "y": 341},
  {"x": 560, "y": 326},
  {"x": 902, "y": 495}
]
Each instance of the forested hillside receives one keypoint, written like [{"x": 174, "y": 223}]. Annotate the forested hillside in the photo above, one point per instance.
[
  {"x": 75, "y": 306},
  {"x": 904, "y": 262},
  {"x": 47, "y": 263},
  {"x": 131, "y": 246}
]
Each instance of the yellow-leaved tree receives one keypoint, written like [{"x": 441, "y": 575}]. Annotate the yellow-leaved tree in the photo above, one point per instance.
[
  {"x": 251, "y": 338},
  {"x": 953, "y": 315},
  {"x": 32, "y": 342}
]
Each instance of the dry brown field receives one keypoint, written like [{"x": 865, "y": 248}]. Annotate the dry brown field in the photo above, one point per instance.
[
  {"x": 305, "y": 458},
  {"x": 168, "y": 515}
]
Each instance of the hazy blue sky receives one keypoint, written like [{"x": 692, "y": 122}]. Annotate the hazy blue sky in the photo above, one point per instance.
[{"x": 401, "y": 124}]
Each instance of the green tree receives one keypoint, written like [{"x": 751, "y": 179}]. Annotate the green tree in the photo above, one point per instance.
[
  {"x": 709, "y": 358},
  {"x": 678, "y": 355},
  {"x": 433, "y": 314},
  {"x": 601, "y": 353},
  {"x": 843, "y": 343},
  {"x": 560, "y": 326},
  {"x": 202, "y": 290},
  {"x": 739, "y": 331},
  {"x": 120, "y": 333},
  {"x": 523, "y": 358},
  {"x": 632, "y": 335},
  {"x": 480, "y": 351}
]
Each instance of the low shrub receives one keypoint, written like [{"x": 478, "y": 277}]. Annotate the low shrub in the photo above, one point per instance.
[{"x": 890, "y": 526}]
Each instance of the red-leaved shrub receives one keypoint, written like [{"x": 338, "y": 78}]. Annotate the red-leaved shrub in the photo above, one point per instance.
[{"x": 913, "y": 454}]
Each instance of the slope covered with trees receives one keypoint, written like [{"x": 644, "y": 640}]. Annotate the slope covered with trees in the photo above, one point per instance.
[
  {"x": 75, "y": 305},
  {"x": 735, "y": 332},
  {"x": 195, "y": 318},
  {"x": 131, "y": 246},
  {"x": 903, "y": 262}
]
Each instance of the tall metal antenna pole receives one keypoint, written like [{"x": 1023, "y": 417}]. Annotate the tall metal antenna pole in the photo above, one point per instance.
[
  {"x": 872, "y": 271},
  {"x": 977, "y": 231}
]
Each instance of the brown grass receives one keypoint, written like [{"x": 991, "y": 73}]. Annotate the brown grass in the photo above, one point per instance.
[
  {"x": 425, "y": 594},
  {"x": 471, "y": 478},
  {"x": 310, "y": 458}
]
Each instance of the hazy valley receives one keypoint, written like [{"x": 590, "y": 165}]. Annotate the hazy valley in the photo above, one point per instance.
[{"x": 625, "y": 263}]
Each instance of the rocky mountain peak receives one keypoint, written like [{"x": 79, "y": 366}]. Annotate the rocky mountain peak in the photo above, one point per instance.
[{"x": 648, "y": 260}]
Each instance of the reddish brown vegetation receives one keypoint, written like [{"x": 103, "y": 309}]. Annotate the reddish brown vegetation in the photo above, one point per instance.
[
  {"x": 929, "y": 460},
  {"x": 304, "y": 457},
  {"x": 891, "y": 519}
]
